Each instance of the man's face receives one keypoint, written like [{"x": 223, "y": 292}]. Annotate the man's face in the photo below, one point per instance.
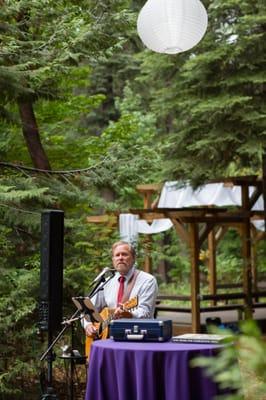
[{"x": 122, "y": 259}]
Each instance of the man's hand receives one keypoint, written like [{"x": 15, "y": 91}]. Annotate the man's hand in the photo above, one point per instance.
[
  {"x": 91, "y": 331},
  {"x": 120, "y": 313}
]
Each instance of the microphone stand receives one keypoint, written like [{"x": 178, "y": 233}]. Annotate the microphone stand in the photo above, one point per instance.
[{"x": 49, "y": 355}]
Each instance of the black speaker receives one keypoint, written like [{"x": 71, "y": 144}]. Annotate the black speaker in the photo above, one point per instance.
[{"x": 51, "y": 275}]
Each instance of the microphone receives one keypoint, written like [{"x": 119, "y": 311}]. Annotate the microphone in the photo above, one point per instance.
[{"x": 102, "y": 274}]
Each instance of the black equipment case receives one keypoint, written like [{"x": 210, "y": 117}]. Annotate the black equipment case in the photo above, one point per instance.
[{"x": 145, "y": 330}]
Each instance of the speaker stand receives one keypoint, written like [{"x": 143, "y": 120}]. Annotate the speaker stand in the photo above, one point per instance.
[{"x": 50, "y": 393}]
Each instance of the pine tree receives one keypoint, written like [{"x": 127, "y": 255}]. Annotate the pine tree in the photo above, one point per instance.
[
  {"x": 42, "y": 41},
  {"x": 210, "y": 101}
]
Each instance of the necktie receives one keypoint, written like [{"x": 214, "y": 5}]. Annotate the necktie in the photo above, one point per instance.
[{"x": 121, "y": 289}]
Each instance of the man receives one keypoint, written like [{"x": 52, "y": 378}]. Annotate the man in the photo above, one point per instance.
[{"x": 136, "y": 283}]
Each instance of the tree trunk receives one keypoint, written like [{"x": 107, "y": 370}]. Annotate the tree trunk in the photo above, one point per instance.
[
  {"x": 264, "y": 184},
  {"x": 32, "y": 136}
]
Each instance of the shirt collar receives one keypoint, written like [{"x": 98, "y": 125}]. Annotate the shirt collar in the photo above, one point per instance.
[{"x": 128, "y": 275}]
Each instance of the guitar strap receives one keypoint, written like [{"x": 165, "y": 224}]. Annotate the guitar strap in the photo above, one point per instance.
[{"x": 130, "y": 286}]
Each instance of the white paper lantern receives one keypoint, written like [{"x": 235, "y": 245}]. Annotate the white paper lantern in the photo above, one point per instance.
[{"x": 172, "y": 26}]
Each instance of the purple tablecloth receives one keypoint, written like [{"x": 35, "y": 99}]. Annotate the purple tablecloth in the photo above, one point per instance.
[{"x": 148, "y": 371}]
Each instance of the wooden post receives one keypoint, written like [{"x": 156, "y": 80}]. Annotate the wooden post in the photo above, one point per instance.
[
  {"x": 147, "y": 250},
  {"x": 247, "y": 275},
  {"x": 254, "y": 259},
  {"x": 264, "y": 184},
  {"x": 195, "y": 281},
  {"x": 246, "y": 251},
  {"x": 212, "y": 264}
]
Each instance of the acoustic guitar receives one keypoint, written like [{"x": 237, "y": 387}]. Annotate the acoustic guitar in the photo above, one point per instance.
[{"x": 107, "y": 315}]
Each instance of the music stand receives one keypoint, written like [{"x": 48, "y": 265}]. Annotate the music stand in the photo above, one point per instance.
[{"x": 86, "y": 308}]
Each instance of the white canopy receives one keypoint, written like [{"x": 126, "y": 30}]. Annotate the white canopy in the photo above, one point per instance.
[{"x": 177, "y": 195}]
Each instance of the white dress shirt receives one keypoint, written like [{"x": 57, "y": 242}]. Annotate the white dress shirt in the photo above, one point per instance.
[{"x": 145, "y": 288}]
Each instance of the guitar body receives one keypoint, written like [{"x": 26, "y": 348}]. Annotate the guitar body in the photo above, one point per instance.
[
  {"x": 102, "y": 333},
  {"x": 103, "y": 327}
]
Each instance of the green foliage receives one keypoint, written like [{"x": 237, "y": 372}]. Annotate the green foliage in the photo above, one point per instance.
[
  {"x": 19, "y": 290},
  {"x": 41, "y": 40},
  {"x": 43, "y": 43},
  {"x": 229, "y": 268},
  {"x": 209, "y": 101},
  {"x": 241, "y": 365},
  {"x": 175, "y": 254},
  {"x": 229, "y": 258},
  {"x": 261, "y": 258}
]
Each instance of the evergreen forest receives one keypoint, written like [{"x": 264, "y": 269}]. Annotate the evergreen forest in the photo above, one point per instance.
[{"x": 87, "y": 113}]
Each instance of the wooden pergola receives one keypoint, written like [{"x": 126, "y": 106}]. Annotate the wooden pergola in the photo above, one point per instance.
[{"x": 195, "y": 226}]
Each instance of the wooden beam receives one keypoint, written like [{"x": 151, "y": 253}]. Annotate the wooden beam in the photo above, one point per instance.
[
  {"x": 199, "y": 215},
  {"x": 264, "y": 184},
  {"x": 204, "y": 233},
  {"x": 149, "y": 215},
  {"x": 102, "y": 219},
  {"x": 247, "y": 268},
  {"x": 254, "y": 260},
  {"x": 147, "y": 191},
  {"x": 181, "y": 231},
  {"x": 254, "y": 197},
  {"x": 212, "y": 264},
  {"x": 195, "y": 281},
  {"x": 239, "y": 180},
  {"x": 245, "y": 197},
  {"x": 259, "y": 236},
  {"x": 147, "y": 251},
  {"x": 150, "y": 187},
  {"x": 220, "y": 233}
]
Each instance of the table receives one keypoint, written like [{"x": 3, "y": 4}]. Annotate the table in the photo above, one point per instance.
[{"x": 148, "y": 371}]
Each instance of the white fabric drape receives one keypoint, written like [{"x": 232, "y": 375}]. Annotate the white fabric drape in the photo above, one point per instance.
[
  {"x": 212, "y": 194},
  {"x": 128, "y": 227}
]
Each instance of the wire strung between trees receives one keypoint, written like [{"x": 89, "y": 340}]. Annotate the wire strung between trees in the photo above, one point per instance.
[{"x": 48, "y": 171}]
